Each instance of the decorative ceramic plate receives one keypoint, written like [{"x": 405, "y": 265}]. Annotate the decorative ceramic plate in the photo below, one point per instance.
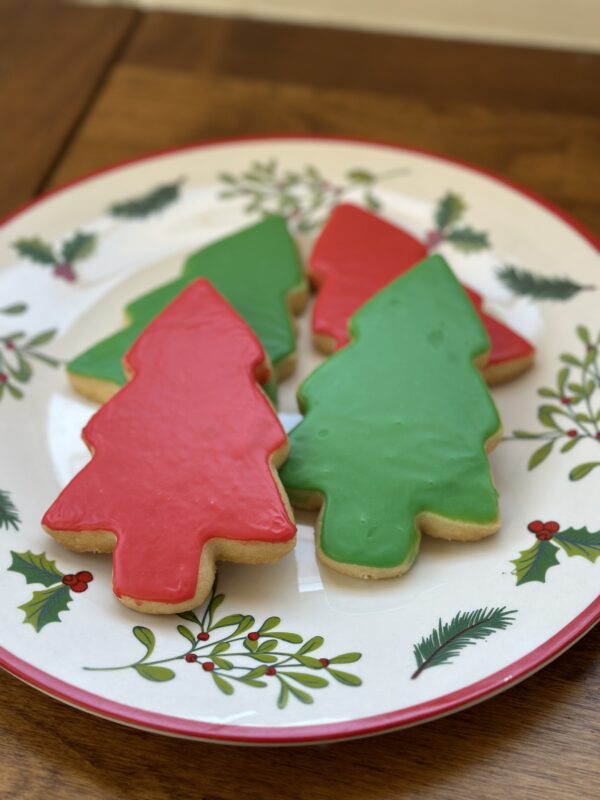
[{"x": 334, "y": 657}]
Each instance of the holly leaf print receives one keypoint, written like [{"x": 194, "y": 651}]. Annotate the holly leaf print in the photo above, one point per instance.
[
  {"x": 468, "y": 240},
  {"x": 449, "y": 210},
  {"x": 79, "y": 246},
  {"x": 579, "y": 542},
  {"x": 150, "y": 203},
  {"x": 35, "y": 249},
  {"x": 35, "y": 568},
  {"x": 534, "y": 563},
  {"x": 45, "y": 606}
]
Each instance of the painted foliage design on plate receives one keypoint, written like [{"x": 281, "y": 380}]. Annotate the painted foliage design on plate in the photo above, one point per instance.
[
  {"x": 9, "y": 515},
  {"x": 64, "y": 257},
  {"x": 305, "y": 197},
  {"x": 570, "y": 414},
  {"x": 232, "y": 650},
  {"x": 446, "y": 641},
  {"x": 533, "y": 563},
  {"x": 46, "y": 605},
  {"x": 18, "y": 354}
]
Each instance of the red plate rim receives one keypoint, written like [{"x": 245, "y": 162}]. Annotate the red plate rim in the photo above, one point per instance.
[{"x": 307, "y": 734}]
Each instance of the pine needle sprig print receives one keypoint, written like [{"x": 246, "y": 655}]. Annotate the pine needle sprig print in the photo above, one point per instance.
[
  {"x": 9, "y": 516},
  {"x": 526, "y": 284},
  {"x": 448, "y": 639},
  {"x": 152, "y": 202}
]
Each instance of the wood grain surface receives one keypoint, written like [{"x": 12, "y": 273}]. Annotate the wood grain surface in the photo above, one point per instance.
[{"x": 83, "y": 87}]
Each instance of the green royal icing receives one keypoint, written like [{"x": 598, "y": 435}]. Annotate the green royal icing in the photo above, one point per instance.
[
  {"x": 395, "y": 423},
  {"x": 253, "y": 269}
]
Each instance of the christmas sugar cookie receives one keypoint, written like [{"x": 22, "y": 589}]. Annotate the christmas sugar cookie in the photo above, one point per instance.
[
  {"x": 396, "y": 429},
  {"x": 257, "y": 270},
  {"x": 356, "y": 255},
  {"x": 184, "y": 458}
]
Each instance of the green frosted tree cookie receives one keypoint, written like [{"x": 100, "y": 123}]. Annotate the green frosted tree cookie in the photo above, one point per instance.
[
  {"x": 257, "y": 270},
  {"x": 397, "y": 427}
]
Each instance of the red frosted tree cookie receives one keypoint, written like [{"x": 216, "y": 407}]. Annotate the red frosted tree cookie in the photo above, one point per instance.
[
  {"x": 356, "y": 255},
  {"x": 183, "y": 461}
]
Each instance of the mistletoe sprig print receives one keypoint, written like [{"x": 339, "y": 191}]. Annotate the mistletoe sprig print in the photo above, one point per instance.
[
  {"x": 447, "y": 640},
  {"x": 18, "y": 353},
  {"x": 573, "y": 413},
  {"x": 45, "y": 606},
  {"x": 233, "y": 651},
  {"x": 304, "y": 197},
  {"x": 449, "y": 227},
  {"x": 533, "y": 563},
  {"x": 61, "y": 260},
  {"x": 9, "y": 516}
]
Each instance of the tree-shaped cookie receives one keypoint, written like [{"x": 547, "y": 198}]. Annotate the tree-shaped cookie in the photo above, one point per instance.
[
  {"x": 397, "y": 427},
  {"x": 257, "y": 270},
  {"x": 183, "y": 461},
  {"x": 356, "y": 255}
]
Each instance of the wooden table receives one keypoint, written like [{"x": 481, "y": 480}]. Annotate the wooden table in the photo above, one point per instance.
[{"x": 83, "y": 87}]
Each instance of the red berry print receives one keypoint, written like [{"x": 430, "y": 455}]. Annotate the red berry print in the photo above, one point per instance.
[
  {"x": 565, "y": 400},
  {"x": 324, "y": 662},
  {"x": 64, "y": 271},
  {"x": 572, "y": 433},
  {"x": 535, "y": 526},
  {"x": 270, "y": 671},
  {"x": 543, "y": 530},
  {"x": 208, "y": 666},
  {"x": 191, "y": 657},
  {"x": 253, "y": 636},
  {"x": 79, "y": 586},
  {"x": 69, "y": 579},
  {"x": 9, "y": 345},
  {"x": 433, "y": 238},
  {"x": 3, "y": 377},
  {"x": 203, "y": 637},
  {"x": 84, "y": 576}
]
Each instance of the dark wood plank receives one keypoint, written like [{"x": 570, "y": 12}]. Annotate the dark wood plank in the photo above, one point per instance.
[
  {"x": 442, "y": 71},
  {"x": 144, "y": 108},
  {"x": 53, "y": 56},
  {"x": 538, "y": 740},
  {"x": 534, "y": 117}
]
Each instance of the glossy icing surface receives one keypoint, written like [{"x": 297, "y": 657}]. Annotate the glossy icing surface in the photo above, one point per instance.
[
  {"x": 181, "y": 453},
  {"x": 253, "y": 269},
  {"x": 392, "y": 431},
  {"x": 356, "y": 255}
]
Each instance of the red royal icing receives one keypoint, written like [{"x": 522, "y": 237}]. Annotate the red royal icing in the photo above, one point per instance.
[
  {"x": 356, "y": 255},
  {"x": 181, "y": 453}
]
